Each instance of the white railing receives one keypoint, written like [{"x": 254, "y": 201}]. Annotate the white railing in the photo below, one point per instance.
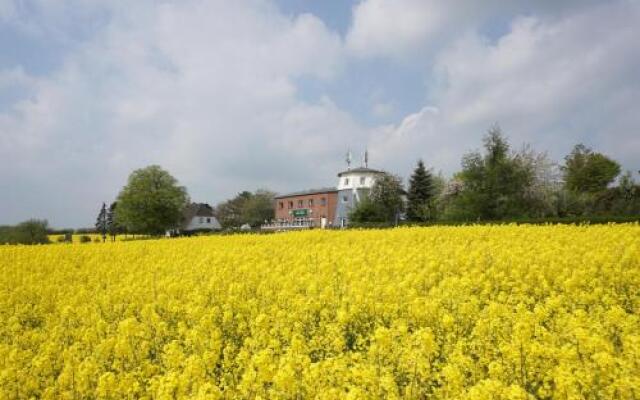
[{"x": 286, "y": 225}]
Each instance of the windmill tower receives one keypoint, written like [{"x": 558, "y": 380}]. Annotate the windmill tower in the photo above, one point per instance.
[{"x": 353, "y": 185}]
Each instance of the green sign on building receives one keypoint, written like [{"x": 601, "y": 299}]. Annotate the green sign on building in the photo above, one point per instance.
[{"x": 301, "y": 212}]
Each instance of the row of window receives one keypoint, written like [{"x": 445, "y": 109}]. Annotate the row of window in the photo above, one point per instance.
[
  {"x": 323, "y": 202},
  {"x": 308, "y": 219},
  {"x": 346, "y": 181},
  {"x": 201, "y": 219}
]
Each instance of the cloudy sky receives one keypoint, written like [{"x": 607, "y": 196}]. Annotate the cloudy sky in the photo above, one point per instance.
[{"x": 234, "y": 95}]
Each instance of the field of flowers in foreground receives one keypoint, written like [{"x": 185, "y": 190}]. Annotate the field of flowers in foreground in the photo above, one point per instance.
[{"x": 485, "y": 312}]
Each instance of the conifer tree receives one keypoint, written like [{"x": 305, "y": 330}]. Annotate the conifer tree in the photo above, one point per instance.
[
  {"x": 112, "y": 224},
  {"x": 420, "y": 194},
  {"x": 101, "y": 222}
]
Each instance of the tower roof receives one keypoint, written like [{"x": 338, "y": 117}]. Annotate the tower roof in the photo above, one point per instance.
[{"x": 360, "y": 170}]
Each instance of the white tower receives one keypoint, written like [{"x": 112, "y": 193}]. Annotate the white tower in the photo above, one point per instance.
[{"x": 353, "y": 184}]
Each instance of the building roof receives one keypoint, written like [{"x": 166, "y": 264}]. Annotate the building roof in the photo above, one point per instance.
[
  {"x": 360, "y": 170},
  {"x": 308, "y": 192}
]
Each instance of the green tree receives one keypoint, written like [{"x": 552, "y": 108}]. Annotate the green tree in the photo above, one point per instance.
[
  {"x": 101, "y": 222},
  {"x": 366, "y": 211},
  {"x": 112, "y": 224},
  {"x": 246, "y": 208},
  {"x": 495, "y": 185},
  {"x": 420, "y": 195},
  {"x": 258, "y": 208},
  {"x": 543, "y": 191},
  {"x": 620, "y": 200},
  {"x": 587, "y": 171},
  {"x": 230, "y": 213},
  {"x": 627, "y": 185},
  {"x": 33, "y": 231},
  {"x": 439, "y": 202},
  {"x": 386, "y": 194},
  {"x": 505, "y": 179},
  {"x": 151, "y": 202}
]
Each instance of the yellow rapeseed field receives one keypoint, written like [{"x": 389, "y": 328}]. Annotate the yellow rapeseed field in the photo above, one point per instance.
[{"x": 480, "y": 312}]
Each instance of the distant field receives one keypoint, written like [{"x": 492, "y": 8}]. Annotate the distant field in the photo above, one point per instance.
[
  {"x": 94, "y": 237},
  {"x": 477, "y": 312}
]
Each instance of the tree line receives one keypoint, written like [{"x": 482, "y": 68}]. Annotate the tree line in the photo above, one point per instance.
[
  {"x": 152, "y": 202},
  {"x": 33, "y": 231},
  {"x": 501, "y": 184},
  {"x": 496, "y": 184}
]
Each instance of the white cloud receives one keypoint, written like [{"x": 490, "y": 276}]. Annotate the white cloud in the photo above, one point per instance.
[
  {"x": 550, "y": 82},
  {"x": 416, "y": 29},
  {"x": 393, "y": 27},
  {"x": 209, "y": 90},
  {"x": 196, "y": 87},
  {"x": 417, "y": 136},
  {"x": 546, "y": 79}
]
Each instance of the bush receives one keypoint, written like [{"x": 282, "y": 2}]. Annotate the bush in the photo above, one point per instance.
[
  {"x": 586, "y": 220},
  {"x": 65, "y": 238},
  {"x": 366, "y": 212},
  {"x": 85, "y": 239},
  {"x": 618, "y": 201}
]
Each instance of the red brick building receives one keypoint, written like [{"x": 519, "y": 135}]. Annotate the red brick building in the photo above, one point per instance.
[{"x": 309, "y": 207}]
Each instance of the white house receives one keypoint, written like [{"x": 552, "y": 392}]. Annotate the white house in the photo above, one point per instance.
[{"x": 198, "y": 217}]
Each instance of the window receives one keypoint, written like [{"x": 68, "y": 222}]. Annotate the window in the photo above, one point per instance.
[
  {"x": 310, "y": 202},
  {"x": 346, "y": 181},
  {"x": 323, "y": 201},
  {"x": 281, "y": 204},
  {"x": 344, "y": 199},
  {"x": 291, "y": 204},
  {"x": 208, "y": 220},
  {"x": 362, "y": 180},
  {"x": 201, "y": 220},
  {"x": 299, "y": 203}
]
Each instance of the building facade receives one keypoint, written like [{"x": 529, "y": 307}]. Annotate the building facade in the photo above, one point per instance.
[
  {"x": 313, "y": 208},
  {"x": 326, "y": 207},
  {"x": 353, "y": 186}
]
